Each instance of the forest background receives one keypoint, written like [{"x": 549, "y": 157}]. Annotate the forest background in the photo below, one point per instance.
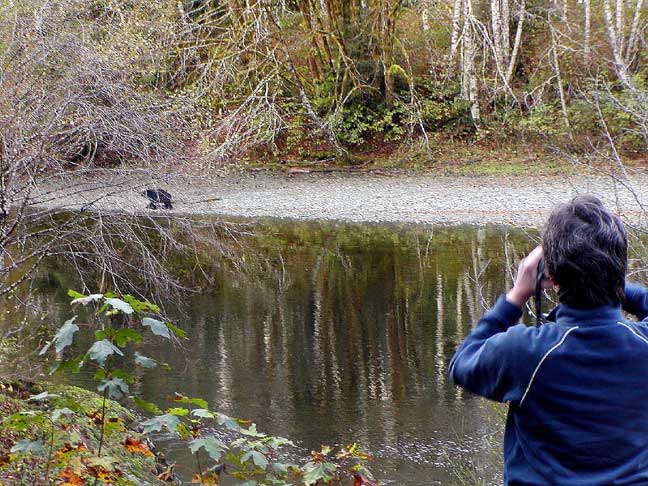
[{"x": 110, "y": 82}]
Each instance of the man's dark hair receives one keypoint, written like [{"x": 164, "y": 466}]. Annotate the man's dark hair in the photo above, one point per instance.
[{"x": 586, "y": 253}]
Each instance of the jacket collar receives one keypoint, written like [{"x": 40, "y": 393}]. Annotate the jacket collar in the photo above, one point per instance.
[{"x": 592, "y": 316}]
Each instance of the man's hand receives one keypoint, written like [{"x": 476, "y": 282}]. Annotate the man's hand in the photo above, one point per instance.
[{"x": 525, "y": 281}]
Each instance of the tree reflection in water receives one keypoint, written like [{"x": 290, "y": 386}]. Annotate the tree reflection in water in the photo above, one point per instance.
[{"x": 330, "y": 333}]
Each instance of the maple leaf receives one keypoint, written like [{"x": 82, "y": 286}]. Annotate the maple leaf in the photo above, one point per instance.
[
  {"x": 360, "y": 480},
  {"x": 67, "y": 447},
  {"x": 70, "y": 478},
  {"x": 207, "y": 479},
  {"x": 134, "y": 445}
]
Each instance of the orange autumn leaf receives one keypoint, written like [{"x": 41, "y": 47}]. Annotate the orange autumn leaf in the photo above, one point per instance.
[
  {"x": 67, "y": 447},
  {"x": 104, "y": 475},
  {"x": 134, "y": 445},
  {"x": 205, "y": 479},
  {"x": 94, "y": 416},
  {"x": 70, "y": 478},
  {"x": 360, "y": 480}
]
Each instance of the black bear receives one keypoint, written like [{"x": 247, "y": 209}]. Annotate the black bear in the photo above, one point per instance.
[{"x": 158, "y": 196}]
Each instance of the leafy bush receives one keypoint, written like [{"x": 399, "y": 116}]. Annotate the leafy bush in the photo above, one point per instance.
[
  {"x": 359, "y": 123},
  {"x": 251, "y": 457}
]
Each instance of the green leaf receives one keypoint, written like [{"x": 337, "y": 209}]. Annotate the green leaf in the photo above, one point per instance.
[
  {"x": 283, "y": 468},
  {"x": 63, "y": 337},
  {"x": 41, "y": 397},
  {"x": 212, "y": 446},
  {"x": 252, "y": 432},
  {"x": 183, "y": 431},
  {"x": 228, "y": 422},
  {"x": 103, "y": 308},
  {"x": 125, "y": 336},
  {"x": 100, "y": 374},
  {"x": 106, "y": 462},
  {"x": 124, "y": 375},
  {"x": 100, "y": 350},
  {"x": 144, "y": 361},
  {"x": 83, "y": 300},
  {"x": 141, "y": 306},
  {"x": 119, "y": 305},
  {"x": 278, "y": 442},
  {"x": 178, "y": 411},
  {"x": 25, "y": 446},
  {"x": 156, "y": 424},
  {"x": 157, "y": 327},
  {"x": 57, "y": 413},
  {"x": 179, "y": 333},
  {"x": 74, "y": 294},
  {"x": 116, "y": 387},
  {"x": 199, "y": 402},
  {"x": 202, "y": 413},
  {"x": 147, "y": 406},
  {"x": 104, "y": 334},
  {"x": 259, "y": 459},
  {"x": 315, "y": 472},
  {"x": 71, "y": 365},
  {"x": 21, "y": 421}
]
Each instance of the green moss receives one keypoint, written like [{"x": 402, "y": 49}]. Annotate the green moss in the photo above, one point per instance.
[{"x": 70, "y": 445}]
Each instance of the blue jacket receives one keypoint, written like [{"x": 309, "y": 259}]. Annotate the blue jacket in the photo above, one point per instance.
[{"x": 577, "y": 390}]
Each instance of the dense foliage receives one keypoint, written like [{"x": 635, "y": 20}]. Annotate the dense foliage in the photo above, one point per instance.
[
  {"x": 308, "y": 79},
  {"x": 46, "y": 446}
]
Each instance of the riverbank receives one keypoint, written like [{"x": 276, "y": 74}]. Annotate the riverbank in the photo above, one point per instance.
[
  {"x": 52, "y": 433},
  {"x": 424, "y": 198}
]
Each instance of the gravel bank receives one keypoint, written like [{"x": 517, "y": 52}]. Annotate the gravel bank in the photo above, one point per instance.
[{"x": 422, "y": 199}]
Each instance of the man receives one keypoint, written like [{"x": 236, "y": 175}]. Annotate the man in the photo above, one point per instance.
[{"x": 577, "y": 387}]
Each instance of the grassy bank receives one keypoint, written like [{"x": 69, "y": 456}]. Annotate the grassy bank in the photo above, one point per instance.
[
  {"x": 487, "y": 157},
  {"x": 54, "y": 435}
]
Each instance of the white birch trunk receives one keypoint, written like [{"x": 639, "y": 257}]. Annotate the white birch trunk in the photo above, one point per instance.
[
  {"x": 517, "y": 42},
  {"x": 425, "y": 24},
  {"x": 496, "y": 24},
  {"x": 469, "y": 63},
  {"x": 506, "y": 33},
  {"x": 634, "y": 32},
  {"x": 556, "y": 65},
  {"x": 454, "y": 37},
  {"x": 620, "y": 23},
  {"x": 587, "y": 30},
  {"x": 614, "y": 41}
]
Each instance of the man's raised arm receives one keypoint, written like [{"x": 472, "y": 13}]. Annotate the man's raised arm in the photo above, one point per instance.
[
  {"x": 482, "y": 362},
  {"x": 636, "y": 300},
  {"x": 489, "y": 362}
]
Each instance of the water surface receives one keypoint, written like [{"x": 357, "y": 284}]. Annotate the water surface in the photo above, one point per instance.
[{"x": 331, "y": 334}]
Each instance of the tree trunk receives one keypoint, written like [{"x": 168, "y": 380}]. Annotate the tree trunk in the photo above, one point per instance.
[
  {"x": 469, "y": 54},
  {"x": 506, "y": 27},
  {"x": 559, "y": 83},
  {"x": 516, "y": 44},
  {"x": 621, "y": 69},
  {"x": 454, "y": 37},
  {"x": 620, "y": 24},
  {"x": 587, "y": 30},
  {"x": 634, "y": 33},
  {"x": 496, "y": 24}
]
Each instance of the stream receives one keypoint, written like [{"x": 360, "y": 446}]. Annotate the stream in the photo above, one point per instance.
[{"x": 331, "y": 333}]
